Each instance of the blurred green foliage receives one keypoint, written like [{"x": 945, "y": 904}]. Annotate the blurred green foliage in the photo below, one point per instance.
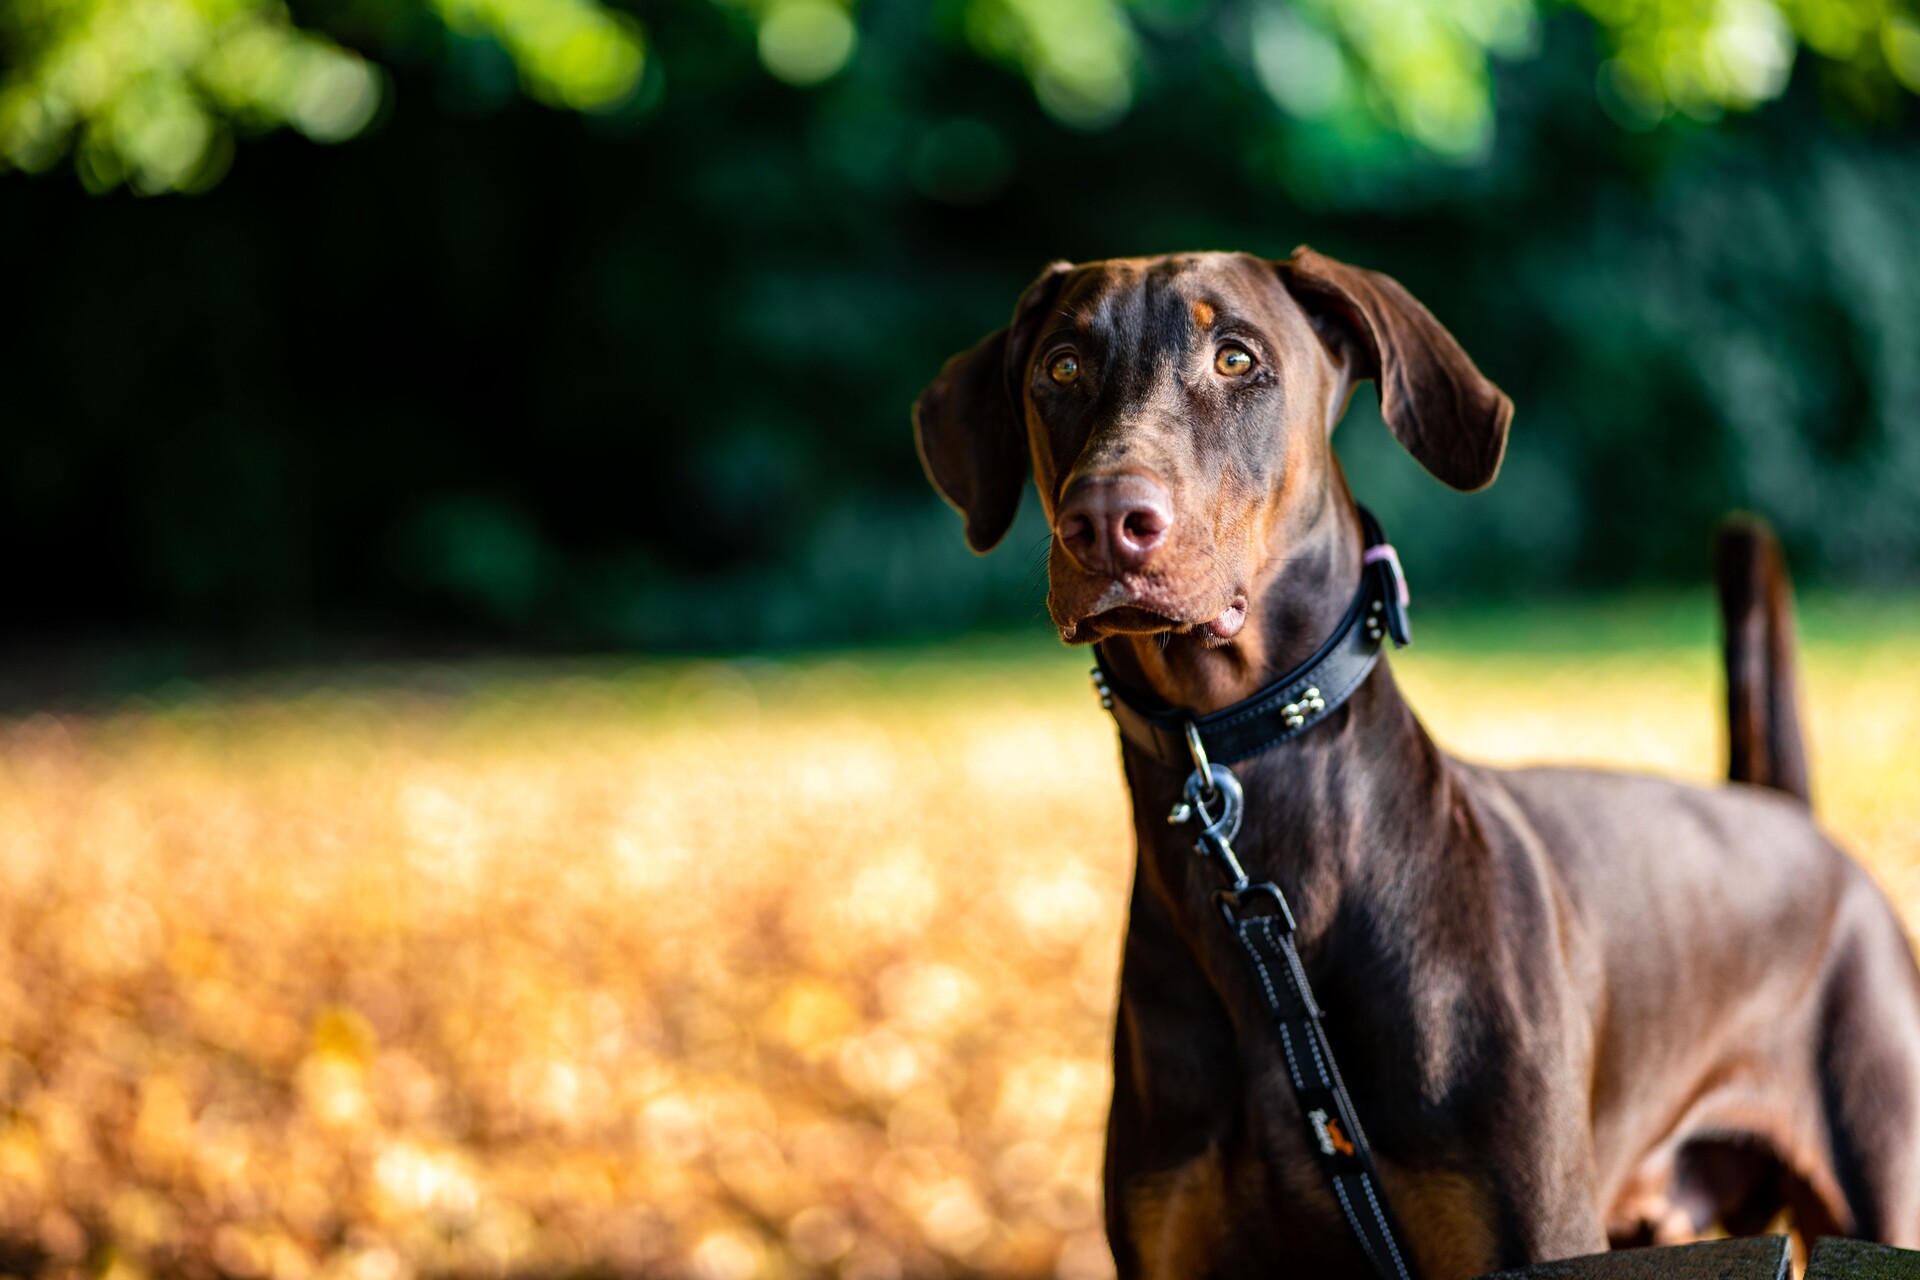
[
  {"x": 149, "y": 91},
  {"x": 601, "y": 327}
]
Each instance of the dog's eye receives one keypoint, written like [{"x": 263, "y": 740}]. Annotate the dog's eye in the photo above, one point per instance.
[
  {"x": 1233, "y": 361},
  {"x": 1065, "y": 368}
]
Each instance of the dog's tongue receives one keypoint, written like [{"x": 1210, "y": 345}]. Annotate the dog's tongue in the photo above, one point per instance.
[{"x": 1228, "y": 624}]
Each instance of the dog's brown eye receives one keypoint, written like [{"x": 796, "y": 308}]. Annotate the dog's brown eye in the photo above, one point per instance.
[
  {"x": 1065, "y": 368},
  {"x": 1233, "y": 361}
]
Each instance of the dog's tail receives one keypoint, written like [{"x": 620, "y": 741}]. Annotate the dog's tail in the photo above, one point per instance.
[{"x": 1756, "y": 610}]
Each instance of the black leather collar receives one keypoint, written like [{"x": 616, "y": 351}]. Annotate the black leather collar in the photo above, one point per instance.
[{"x": 1290, "y": 705}]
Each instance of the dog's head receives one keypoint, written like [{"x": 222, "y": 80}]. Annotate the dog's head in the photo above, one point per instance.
[{"x": 1176, "y": 412}]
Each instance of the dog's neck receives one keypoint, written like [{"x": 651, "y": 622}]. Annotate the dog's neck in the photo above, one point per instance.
[{"x": 1310, "y": 822}]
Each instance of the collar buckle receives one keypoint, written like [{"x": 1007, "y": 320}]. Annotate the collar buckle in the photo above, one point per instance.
[{"x": 1394, "y": 598}]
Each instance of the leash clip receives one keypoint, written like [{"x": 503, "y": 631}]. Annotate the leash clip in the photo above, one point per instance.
[
  {"x": 1203, "y": 791},
  {"x": 1207, "y": 785}
]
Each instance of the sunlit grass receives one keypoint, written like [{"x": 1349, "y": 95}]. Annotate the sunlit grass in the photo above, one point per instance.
[{"x": 707, "y": 968}]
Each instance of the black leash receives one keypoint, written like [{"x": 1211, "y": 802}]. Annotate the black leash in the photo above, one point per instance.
[{"x": 1282, "y": 710}]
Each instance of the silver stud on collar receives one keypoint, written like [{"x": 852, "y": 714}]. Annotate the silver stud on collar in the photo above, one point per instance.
[
  {"x": 1101, "y": 689},
  {"x": 1295, "y": 713}
]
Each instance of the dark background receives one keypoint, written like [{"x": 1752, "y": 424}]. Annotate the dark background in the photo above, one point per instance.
[{"x": 493, "y": 372}]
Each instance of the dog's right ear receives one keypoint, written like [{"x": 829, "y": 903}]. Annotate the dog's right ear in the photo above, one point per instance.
[{"x": 968, "y": 423}]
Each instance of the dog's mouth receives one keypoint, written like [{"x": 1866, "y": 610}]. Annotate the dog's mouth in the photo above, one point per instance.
[
  {"x": 1130, "y": 620},
  {"x": 1133, "y": 617}
]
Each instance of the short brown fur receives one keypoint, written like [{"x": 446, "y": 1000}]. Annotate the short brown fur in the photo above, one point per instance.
[
  {"x": 1570, "y": 1005},
  {"x": 1179, "y": 1218}
]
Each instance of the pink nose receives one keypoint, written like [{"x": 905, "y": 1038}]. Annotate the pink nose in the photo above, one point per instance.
[{"x": 1113, "y": 524}]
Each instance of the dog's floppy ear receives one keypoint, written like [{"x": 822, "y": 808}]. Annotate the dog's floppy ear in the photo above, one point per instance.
[
  {"x": 968, "y": 423},
  {"x": 1445, "y": 412}
]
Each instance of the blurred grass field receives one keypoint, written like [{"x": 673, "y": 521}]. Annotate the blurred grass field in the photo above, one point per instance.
[{"x": 716, "y": 969}]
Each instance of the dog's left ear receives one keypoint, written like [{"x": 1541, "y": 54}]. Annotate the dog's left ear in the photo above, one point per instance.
[
  {"x": 969, "y": 425},
  {"x": 1445, "y": 412}
]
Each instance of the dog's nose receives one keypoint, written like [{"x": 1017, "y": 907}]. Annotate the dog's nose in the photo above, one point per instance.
[{"x": 1112, "y": 524}]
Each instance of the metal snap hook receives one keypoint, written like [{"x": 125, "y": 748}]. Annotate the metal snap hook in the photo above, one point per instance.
[{"x": 1218, "y": 800}]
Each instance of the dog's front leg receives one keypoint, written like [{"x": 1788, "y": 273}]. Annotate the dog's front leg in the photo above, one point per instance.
[
  {"x": 1459, "y": 1226},
  {"x": 1524, "y": 1192},
  {"x": 1176, "y": 1094}
]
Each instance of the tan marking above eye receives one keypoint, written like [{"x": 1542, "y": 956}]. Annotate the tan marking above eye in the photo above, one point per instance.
[
  {"x": 1203, "y": 314},
  {"x": 1064, "y": 368},
  {"x": 1233, "y": 360}
]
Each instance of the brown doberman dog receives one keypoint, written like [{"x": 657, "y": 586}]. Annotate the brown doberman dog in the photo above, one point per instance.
[{"x": 1572, "y": 1007}]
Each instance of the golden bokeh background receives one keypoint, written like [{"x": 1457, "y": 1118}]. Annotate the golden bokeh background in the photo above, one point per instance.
[{"x": 712, "y": 969}]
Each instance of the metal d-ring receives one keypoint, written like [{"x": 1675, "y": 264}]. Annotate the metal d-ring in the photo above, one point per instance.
[{"x": 1198, "y": 750}]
